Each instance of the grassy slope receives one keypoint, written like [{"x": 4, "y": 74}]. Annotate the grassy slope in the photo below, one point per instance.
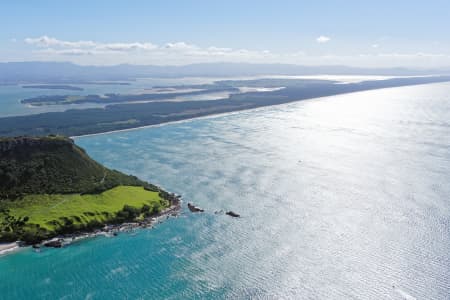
[
  {"x": 54, "y": 165},
  {"x": 50, "y": 186},
  {"x": 42, "y": 209}
]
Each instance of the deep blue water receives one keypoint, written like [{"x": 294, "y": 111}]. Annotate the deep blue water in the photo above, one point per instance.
[{"x": 345, "y": 197}]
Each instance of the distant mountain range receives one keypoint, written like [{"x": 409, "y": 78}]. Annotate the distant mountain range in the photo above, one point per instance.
[{"x": 64, "y": 72}]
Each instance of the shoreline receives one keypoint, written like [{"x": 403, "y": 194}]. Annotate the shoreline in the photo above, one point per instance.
[
  {"x": 166, "y": 123},
  {"x": 214, "y": 115},
  {"x": 109, "y": 230},
  {"x": 7, "y": 248},
  {"x": 156, "y": 114}
]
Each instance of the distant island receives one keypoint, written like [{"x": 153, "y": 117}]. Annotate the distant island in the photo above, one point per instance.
[
  {"x": 50, "y": 187},
  {"x": 53, "y": 87},
  {"x": 76, "y": 122}
]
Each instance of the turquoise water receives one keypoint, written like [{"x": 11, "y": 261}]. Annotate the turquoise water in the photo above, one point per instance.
[
  {"x": 344, "y": 197},
  {"x": 10, "y": 95}
]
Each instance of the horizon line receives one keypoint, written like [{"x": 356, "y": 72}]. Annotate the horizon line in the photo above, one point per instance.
[{"x": 445, "y": 68}]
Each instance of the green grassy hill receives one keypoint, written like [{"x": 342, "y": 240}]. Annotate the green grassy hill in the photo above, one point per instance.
[
  {"x": 50, "y": 186},
  {"x": 53, "y": 165}
]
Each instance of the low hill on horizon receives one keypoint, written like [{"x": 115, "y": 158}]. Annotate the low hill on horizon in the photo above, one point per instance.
[{"x": 66, "y": 72}]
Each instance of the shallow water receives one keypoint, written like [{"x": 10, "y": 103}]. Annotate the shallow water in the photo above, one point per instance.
[
  {"x": 11, "y": 95},
  {"x": 343, "y": 197}
]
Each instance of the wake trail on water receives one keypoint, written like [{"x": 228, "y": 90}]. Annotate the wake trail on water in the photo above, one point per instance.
[{"x": 404, "y": 294}]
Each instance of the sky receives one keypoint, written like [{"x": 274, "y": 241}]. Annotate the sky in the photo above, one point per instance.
[{"x": 363, "y": 33}]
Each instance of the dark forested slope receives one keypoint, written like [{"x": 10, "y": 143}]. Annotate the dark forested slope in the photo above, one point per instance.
[{"x": 53, "y": 165}]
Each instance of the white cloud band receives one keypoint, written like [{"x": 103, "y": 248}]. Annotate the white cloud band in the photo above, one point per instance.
[
  {"x": 323, "y": 39},
  {"x": 91, "y": 52}
]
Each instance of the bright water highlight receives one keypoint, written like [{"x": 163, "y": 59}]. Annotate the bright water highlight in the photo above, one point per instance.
[{"x": 345, "y": 197}]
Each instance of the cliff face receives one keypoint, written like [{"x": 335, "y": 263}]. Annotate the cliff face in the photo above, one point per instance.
[
  {"x": 49, "y": 165},
  {"x": 23, "y": 145}
]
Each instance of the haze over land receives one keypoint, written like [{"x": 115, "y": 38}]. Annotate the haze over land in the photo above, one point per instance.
[{"x": 57, "y": 72}]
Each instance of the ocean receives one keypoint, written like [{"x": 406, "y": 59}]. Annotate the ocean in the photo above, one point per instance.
[{"x": 343, "y": 197}]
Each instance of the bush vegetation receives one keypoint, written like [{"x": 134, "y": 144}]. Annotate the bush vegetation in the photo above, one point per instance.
[
  {"x": 50, "y": 186},
  {"x": 54, "y": 165},
  {"x": 37, "y": 217}
]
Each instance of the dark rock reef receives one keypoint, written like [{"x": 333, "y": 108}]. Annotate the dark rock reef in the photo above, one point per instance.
[{"x": 194, "y": 208}]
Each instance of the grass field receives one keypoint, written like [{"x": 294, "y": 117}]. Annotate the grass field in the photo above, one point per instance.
[{"x": 81, "y": 209}]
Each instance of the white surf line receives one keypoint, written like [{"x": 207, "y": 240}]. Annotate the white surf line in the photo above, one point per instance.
[
  {"x": 211, "y": 116},
  {"x": 8, "y": 248},
  {"x": 248, "y": 109},
  {"x": 168, "y": 123}
]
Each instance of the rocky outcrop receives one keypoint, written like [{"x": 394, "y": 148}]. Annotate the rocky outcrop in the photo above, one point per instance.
[
  {"x": 54, "y": 244},
  {"x": 194, "y": 208},
  {"x": 232, "y": 214}
]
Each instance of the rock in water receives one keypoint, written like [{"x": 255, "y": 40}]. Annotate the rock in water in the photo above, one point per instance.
[
  {"x": 233, "y": 214},
  {"x": 53, "y": 244},
  {"x": 194, "y": 208}
]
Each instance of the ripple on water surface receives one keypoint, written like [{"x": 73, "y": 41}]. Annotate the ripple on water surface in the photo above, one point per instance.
[{"x": 344, "y": 197}]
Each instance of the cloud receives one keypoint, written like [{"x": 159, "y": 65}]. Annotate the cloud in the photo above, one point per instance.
[
  {"x": 45, "y": 41},
  {"x": 67, "y": 52},
  {"x": 323, "y": 39},
  {"x": 375, "y": 46},
  {"x": 219, "y": 49},
  {"x": 173, "y": 50},
  {"x": 126, "y": 46},
  {"x": 181, "y": 52},
  {"x": 180, "y": 46}
]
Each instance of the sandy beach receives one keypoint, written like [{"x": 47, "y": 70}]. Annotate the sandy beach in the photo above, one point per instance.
[
  {"x": 158, "y": 124},
  {"x": 8, "y": 247}
]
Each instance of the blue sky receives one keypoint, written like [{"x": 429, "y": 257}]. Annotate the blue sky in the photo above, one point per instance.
[{"x": 362, "y": 33}]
